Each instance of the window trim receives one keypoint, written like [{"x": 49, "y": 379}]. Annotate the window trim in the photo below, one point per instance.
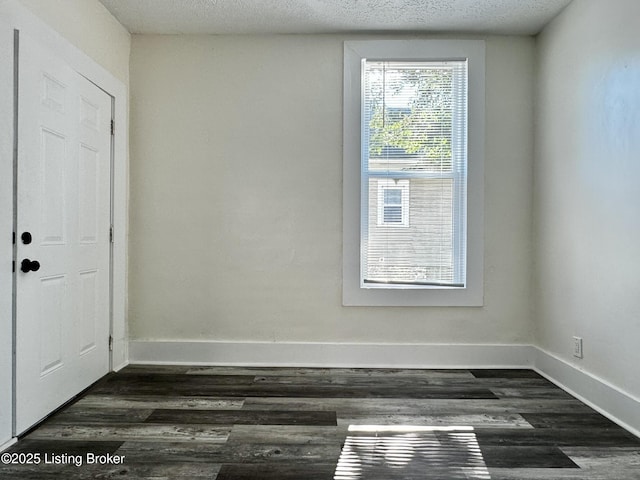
[{"x": 413, "y": 50}]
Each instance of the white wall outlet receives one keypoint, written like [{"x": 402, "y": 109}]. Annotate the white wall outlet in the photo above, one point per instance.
[{"x": 577, "y": 347}]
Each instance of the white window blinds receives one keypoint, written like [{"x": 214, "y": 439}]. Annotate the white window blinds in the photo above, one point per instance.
[{"x": 414, "y": 174}]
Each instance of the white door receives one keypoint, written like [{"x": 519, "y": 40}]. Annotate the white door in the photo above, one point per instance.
[{"x": 62, "y": 244}]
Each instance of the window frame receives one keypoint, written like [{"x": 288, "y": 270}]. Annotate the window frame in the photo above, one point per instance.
[{"x": 355, "y": 52}]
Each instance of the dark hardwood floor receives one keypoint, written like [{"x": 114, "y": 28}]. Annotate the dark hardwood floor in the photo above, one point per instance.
[{"x": 242, "y": 423}]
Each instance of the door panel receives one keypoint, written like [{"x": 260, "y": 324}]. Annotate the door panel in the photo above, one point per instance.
[
  {"x": 63, "y": 201},
  {"x": 53, "y": 296}
]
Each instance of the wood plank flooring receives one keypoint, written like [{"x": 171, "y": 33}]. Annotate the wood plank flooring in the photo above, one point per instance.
[{"x": 243, "y": 423}]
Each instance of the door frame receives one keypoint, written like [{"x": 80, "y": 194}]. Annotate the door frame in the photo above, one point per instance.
[{"x": 20, "y": 18}]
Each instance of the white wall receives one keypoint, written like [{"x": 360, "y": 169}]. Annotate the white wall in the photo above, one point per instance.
[
  {"x": 89, "y": 26},
  {"x": 587, "y": 195},
  {"x": 236, "y": 207}
]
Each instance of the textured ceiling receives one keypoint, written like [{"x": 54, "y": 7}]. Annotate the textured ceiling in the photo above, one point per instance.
[{"x": 525, "y": 17}]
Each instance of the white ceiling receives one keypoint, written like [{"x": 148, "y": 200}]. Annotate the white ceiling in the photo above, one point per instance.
[{"x": 525, "y": 17}]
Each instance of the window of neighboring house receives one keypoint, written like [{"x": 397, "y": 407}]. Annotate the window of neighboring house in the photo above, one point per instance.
[
  {"x": 413, "y": 135},
  {"x": 393, "y": 203}
]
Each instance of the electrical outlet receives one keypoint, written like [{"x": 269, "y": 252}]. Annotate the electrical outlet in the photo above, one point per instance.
[{"x": 577, "y": 347}]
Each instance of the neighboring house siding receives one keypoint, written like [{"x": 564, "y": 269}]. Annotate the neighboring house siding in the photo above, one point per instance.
[{"x": 428, "y": 199}]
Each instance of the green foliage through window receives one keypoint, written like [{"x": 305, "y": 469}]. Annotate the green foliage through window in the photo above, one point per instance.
[{"x": 409, "y": 114}]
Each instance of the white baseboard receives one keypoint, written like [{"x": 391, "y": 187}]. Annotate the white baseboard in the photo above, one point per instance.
[
  {"x": 120, "y": 366},
  {"x": 331, "y": 354},
  {"x": 6, "y": 445},
  {"x": 119, "y": 355},
  {"x": 609, "y": 400}
]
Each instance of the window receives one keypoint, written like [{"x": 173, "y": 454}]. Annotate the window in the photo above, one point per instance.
[
  {"x": 392, "y": 203},
  {"x": 413, "y": 155}
]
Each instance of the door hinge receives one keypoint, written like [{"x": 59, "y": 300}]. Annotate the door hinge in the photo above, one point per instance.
[
  {"x": 110, "y": 343},
  {"x": 113, "y": 127},
  {"x": 110, "y": 233}
]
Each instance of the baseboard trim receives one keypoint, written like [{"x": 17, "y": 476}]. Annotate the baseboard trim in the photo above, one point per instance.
[
  {"x": 119, "y": 367},
  {"x": 7, "y": 444},
  {"x": 605, "y": 398},
  {"x": 609, "y": 400},
  {"x": 289, "y": 354},
  {"x": 119, "y": 354}
]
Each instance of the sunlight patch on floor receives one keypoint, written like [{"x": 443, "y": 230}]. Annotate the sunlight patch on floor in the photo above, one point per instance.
[{"x": 408, "y": 452}]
